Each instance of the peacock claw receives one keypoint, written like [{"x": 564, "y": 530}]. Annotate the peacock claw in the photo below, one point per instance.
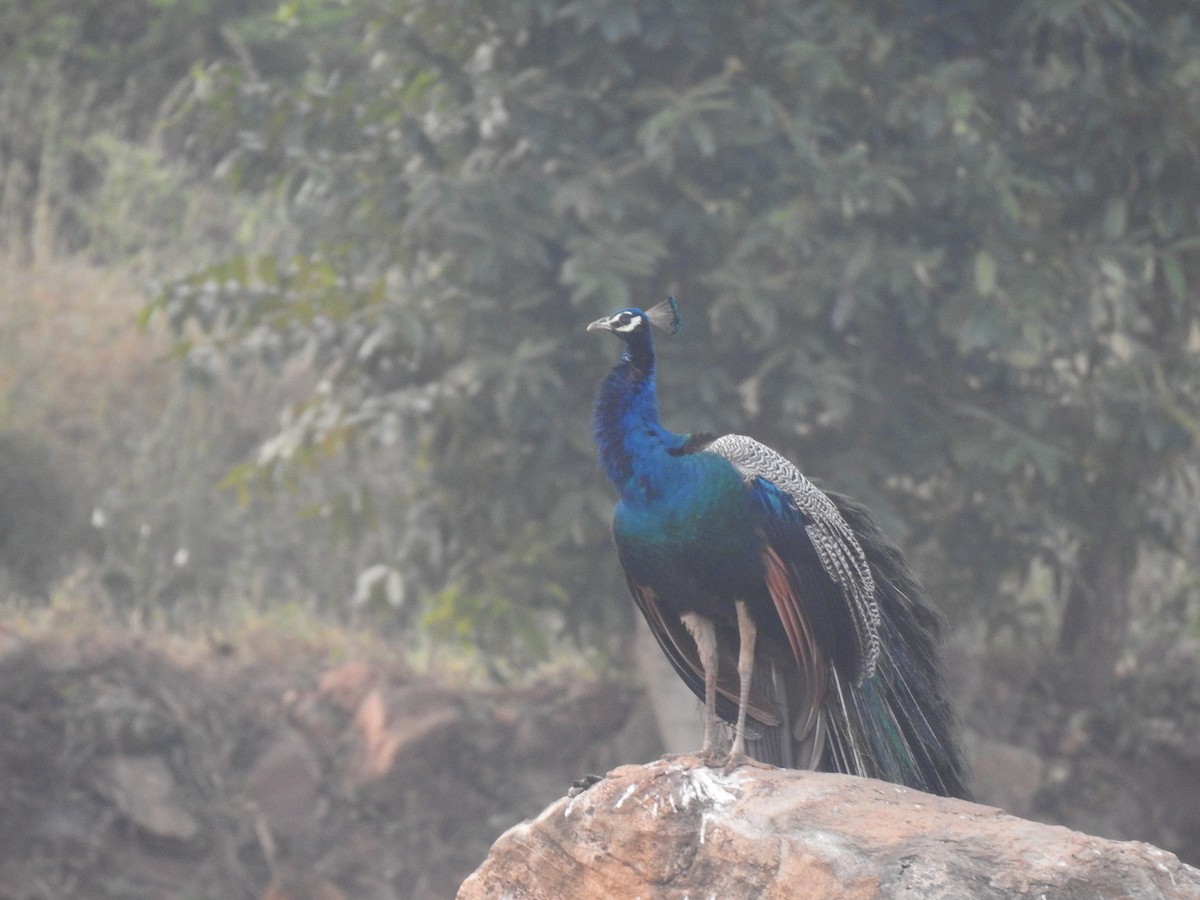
[
  {"x": 703, "y": 757},
  {"x": 737, "y": 760}
]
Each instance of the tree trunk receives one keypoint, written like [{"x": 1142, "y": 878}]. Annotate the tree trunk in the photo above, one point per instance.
[{"x": 1096, "y": 619}]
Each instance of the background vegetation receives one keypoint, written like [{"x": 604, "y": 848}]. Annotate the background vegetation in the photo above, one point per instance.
[{"x": 943, "y": 255}]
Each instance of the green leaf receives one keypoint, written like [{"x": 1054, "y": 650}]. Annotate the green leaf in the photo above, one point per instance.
[
  {"x": 1173, "y": 273},
  {"x": 985, "y": 274}
]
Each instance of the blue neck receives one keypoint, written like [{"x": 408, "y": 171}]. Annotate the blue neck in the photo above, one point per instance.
[{"x": 630, "y": 437}]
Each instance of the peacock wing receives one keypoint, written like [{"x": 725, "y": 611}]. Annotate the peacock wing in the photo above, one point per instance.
[{"x": 817, "y": 572}]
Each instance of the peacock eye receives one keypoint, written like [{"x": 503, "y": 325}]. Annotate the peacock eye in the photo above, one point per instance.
[{"x": 625, "y": 318}]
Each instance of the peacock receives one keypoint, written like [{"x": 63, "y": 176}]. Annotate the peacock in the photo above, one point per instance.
[{"x": 785, "y": 608}]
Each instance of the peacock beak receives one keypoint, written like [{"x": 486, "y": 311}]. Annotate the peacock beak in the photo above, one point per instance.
[{"x": 604, "y": 324}]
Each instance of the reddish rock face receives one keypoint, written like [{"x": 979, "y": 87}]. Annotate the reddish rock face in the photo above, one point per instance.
[{"x": 676, "y": 829}]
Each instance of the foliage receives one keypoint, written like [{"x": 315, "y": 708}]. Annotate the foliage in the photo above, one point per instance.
[
  {"x": 110, "y": 464},
  {"x": 82, "y": 84},
  {"x": 90, "y": 423},
  {"x": 941, "y": 254},
  {"x": 39, "y": 521}
]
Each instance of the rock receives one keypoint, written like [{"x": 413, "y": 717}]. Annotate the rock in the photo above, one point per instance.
[
  {"x": 285, "y": 784},
  {"x": 678, "y": 829},
  {"x": 296, "y": 882},
  {"x": 401, "y": 735},
  {"x": 347, "y": 684},
  {"x": 122, "y": 717},
  {"x": 143, "y": 789},
  {"x": 21, "y": 669}
]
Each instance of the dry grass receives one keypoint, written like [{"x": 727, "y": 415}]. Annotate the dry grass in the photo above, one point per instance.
[
  {"x": 131, "y": 441},
  {"x": 73, "y": 363},
  {"x": 78, "y": 610}
]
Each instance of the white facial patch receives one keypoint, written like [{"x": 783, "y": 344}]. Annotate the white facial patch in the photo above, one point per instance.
[{"x": 632, "y": 325}]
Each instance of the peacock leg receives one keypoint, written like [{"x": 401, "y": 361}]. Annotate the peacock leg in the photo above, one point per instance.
[
  {"x": 705, "y": 635},
  {"x": 747, "y": 632}
]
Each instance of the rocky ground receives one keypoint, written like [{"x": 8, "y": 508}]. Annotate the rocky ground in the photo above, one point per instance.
[
  {"x": 266, "y": 769},
  {"x": 298, "y": 768}
]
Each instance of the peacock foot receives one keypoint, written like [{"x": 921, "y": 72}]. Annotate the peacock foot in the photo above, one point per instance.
[{"x": 737, "y": 759}]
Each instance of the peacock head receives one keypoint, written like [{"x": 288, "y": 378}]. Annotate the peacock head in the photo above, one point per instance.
[{"x": 632, "y": 322}]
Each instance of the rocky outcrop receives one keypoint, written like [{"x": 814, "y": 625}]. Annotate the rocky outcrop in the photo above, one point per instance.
[
  {"x": 139, "y": 765},
  {"x": 679, "y": 829}
]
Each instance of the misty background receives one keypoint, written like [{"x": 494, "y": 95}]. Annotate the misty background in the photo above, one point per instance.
[{"x": 292, "y": 299}]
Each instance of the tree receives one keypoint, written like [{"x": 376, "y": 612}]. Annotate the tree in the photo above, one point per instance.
[
  {"x": 941, "y": 254},
  {"x": 80, "y": 78}
]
